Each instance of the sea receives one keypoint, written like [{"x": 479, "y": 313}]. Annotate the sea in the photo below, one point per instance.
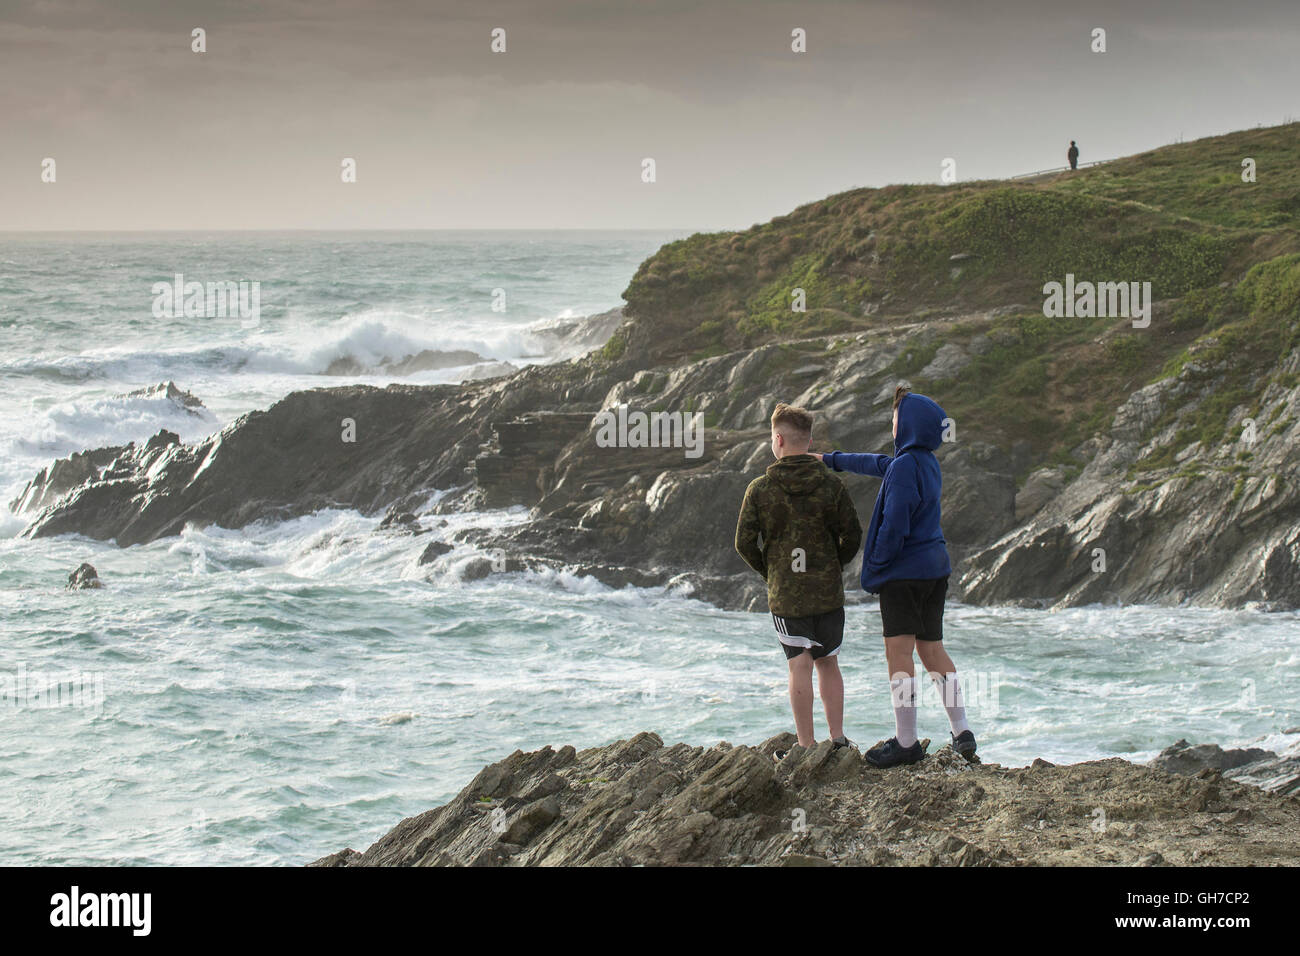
[{"x": 271, "y": 694}]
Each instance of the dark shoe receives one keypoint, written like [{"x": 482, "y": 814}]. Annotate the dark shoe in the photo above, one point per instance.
[
  {"x": 893, "y": 754},
  {"x": 964, "y": 744},
  {"x": 779, "y": 755}
]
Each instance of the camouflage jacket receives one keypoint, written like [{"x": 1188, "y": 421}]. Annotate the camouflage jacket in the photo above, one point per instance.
[{"x": 798, "y": 529}]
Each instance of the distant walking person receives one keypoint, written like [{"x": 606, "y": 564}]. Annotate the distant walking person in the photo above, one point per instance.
[{"x": 1073, "y": 154}]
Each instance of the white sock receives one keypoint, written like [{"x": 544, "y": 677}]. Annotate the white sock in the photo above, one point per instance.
[
  {"x": 953, "y": 702},
  {"x": 903, "y": 692}
]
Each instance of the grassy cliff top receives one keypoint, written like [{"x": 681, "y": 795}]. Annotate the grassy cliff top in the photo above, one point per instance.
[
  {"x": 1222, "y": 255},
  {"x": 1179, "y": 216}
]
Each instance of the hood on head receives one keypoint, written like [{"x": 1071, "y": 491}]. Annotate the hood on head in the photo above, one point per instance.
[
  {"x": 920, "y": 423},
  {"x": 797, "y": 474}
]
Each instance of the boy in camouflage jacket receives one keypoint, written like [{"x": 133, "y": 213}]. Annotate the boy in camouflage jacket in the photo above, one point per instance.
[{"x": 798, "y": 529}]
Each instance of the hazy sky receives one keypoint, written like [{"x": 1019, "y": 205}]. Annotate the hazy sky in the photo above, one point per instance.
[{"x": 551, "y": 134}]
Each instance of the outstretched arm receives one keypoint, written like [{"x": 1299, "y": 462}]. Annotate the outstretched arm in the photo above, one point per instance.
[
  {"x": 866, "y": 464},
  {"x": 747, "y": 534}
]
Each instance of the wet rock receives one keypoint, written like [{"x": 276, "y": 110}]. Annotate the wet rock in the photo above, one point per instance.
[
  {"x": 183, "y": 400},
  {"x": 403, "y": 522},
  {"x": 476, "y": 569},
  {"x": 423, "y": 361},
  {"x": 434, "y": 550},
  {"x": 62, "y": 476},
  {"x": 530, "y": 440},
  {"x": 84, "y": 577}
]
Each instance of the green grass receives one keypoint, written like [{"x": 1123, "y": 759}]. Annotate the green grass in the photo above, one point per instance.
[
  {"x": 1178, "y": 217},
  {"x": 1223, "y": 255}
]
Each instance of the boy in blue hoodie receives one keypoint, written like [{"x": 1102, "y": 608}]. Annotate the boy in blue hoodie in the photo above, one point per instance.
[{"x": 905, "y": 561}]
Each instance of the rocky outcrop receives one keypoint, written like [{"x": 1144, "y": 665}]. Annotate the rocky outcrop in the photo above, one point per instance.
[
  {"x": 84, "y": 578},
  {"x": 1218, "y": 525},
  {"x": 654, "y": 515},
  {"x": 1090, "y": 461},
  {"x": 1279, "y": 773},
  {"x": 423, "y": 361},
  {"x": 626, "y": 515},
  {"x": 639, "y": 802},
  {"x": 183, "y": 400},
  {"x": 513, "y": 467},
  {"x": 56, "y": 480}
]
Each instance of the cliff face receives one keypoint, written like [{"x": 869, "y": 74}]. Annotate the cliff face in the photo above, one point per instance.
[
  {"x": 640, "y": 802},
  {"x": 1091, "y": 461}
]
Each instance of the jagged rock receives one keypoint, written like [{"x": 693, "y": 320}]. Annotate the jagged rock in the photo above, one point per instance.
[
  {"x": 978, "y": 496},
  {"x": 1183, "y": 758},
  {"x": 638, "y": 801},
  {"x": 434, "y": 550},
  {"x": 1039, "y": 488},
  {"x": 512, "y": 467},
  {"x": 653, "y": 516},
  {"x": 341, "y": 858},
  {"x": 84, "y": 577},
  {"x": 181, "y": 399},
  {"x": 532, "y": 820},
  {"x": 62, "y": 476},
  {"x": 423, "y": 361},
  {"x": 401, "y": 521},
  {"x": 1277, "y": 773}
]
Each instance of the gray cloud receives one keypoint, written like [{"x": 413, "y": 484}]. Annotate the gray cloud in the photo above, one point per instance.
[{"x": 551, "y": 134}]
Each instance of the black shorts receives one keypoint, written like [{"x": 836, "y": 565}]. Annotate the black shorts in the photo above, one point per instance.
[
  {"x": 824, "y": 632},
  {"x": 914, "y": 607}
]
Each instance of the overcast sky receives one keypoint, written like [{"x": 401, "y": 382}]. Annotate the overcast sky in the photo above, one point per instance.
[{"x": 551, "y": 134}]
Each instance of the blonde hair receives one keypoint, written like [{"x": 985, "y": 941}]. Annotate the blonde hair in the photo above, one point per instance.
[{"x": 797, "y": 420}]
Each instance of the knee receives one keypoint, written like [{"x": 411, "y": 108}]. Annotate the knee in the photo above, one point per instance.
[
  {"x": 931, "y": 654},
  {"x": 801, "y": 662}
]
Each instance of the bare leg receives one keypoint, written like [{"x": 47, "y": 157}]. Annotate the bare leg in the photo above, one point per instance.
[
  {"x": 934, "y": 658},
  {"x": 902, "y": 686},
  {"x": 830, "y": 685},
  {"x": 898, "y": 655},
  {"x": 801, "y": 697},
  {"x": 944, "y": 674}
]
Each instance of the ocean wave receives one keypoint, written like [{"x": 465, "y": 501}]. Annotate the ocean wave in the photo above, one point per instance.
[{"x": 378, "y": 341}]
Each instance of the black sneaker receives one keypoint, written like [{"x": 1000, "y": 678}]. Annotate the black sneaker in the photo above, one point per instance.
[
  {"x": 964, "y": 744},
  {"x": 892, "y": 754},
  {"x": 779, "y": 755}
]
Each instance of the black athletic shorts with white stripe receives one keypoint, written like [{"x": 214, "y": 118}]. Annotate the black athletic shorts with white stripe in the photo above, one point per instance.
[{"x": 820, "y": 634}]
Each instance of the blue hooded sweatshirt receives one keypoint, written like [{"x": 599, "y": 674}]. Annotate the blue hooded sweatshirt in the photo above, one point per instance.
[{"x": 904, "y": 540}]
